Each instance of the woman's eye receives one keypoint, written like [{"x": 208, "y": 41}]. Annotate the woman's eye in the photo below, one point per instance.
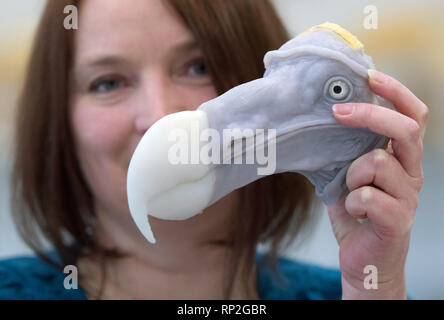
[
  {"x": 105, "y": 85},
  {"x": 197, "y": 68},
  {"x": 194, "y": 72},
  {"x": 338, "y": 88}
]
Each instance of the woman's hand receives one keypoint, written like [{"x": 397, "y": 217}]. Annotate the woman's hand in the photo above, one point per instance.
[{"x": 384, "y": 186}]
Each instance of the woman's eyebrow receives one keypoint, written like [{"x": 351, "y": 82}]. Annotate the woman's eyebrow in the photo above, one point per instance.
[
  {"x": 110, "y": 60},
  {"x": 83, "y": 69},
  {"x": 116, "y": 60},
  {"x": 186, "y": 45},
  {"x": 103, "y": 61}
]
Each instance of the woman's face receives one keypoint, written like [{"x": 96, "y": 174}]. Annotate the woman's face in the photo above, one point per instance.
[{"x": 133, "y": 64}]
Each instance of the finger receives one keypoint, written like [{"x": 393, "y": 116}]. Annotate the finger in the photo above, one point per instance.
[
  {"x": 402, "y": 98},
  {"x": 389, "y": 147},
  {"x": 381, "y": 169},
  {"x": 403, "y": 130},
  {"x": 384, "y": 212}
]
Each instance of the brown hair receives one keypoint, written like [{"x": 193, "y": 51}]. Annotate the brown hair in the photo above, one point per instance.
[{"x": 50, "y": 193}]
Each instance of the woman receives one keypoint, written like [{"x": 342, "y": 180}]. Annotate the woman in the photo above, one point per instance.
[{"x": 92, "y": 93}]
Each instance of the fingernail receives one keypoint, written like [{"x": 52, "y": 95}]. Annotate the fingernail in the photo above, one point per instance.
[
  {"x": 343, "y": 109},
  {"x": 376, "y": 76}
]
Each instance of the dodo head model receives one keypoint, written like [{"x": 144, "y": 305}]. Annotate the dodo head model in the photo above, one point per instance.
[{"x": 320, "y": 67}]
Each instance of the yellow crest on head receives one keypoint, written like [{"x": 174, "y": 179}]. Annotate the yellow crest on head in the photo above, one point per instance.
[{"x": 343, "y": 34}]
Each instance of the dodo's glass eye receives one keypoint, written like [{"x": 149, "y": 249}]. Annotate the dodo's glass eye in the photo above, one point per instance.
[{"x": 338, "y": 88}]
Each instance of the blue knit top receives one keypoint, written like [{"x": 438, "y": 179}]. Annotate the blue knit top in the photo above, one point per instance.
[{"x": 28, "y": 277}]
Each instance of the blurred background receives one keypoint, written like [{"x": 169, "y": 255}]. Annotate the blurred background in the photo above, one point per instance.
[{"x": 408, "y": 44}]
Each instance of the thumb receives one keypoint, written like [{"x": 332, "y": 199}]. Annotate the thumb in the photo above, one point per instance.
[{"x": 341, "y": 221}]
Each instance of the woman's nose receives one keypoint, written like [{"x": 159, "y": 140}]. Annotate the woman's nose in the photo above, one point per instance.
[{"x": 157, "y": 98}]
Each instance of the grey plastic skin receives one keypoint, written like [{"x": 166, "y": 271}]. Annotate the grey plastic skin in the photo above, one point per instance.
[{"x": 293, "y": 97}]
